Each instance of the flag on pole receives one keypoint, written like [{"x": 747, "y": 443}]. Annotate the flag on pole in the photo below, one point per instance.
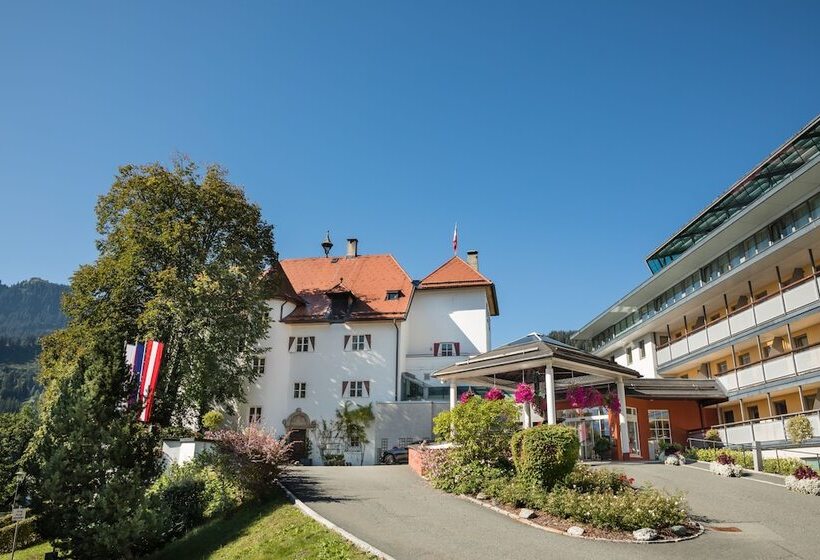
[
  {"x": 148, "y": 377},
  {"x": 134, "y": 355},
  {"x": 455, "y": 239}
]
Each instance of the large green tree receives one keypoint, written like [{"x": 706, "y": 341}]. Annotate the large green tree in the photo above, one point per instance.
[{"x": 182, "y": 257}]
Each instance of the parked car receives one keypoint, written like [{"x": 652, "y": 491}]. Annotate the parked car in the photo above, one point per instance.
[{"x": 396, "y": 455}]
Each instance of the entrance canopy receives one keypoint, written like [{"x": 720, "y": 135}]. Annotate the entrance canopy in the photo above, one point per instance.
[{"x": 527, "y": 360}]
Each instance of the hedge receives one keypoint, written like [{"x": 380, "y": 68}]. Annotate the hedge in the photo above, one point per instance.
[
  {"x": 26, "y": 535},
  {"x": 545, "y": 454},
  {"x": 784, "y": 466}
]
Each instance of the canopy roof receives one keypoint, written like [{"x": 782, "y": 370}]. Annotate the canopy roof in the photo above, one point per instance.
[{"x": 525, "y": 357}]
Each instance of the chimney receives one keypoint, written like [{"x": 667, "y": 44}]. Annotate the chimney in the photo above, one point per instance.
[
  {"x": 353, "y": 247},
  {"x": 472, "y": 259}
]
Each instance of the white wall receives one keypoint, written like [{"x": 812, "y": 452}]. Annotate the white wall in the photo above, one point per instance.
[
  {"x": 645, "y": 366},
  {"x": 448, "y": 315}
]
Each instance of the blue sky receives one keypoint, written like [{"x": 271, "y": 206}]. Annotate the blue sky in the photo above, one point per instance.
[{"x": 567, "y": 140}]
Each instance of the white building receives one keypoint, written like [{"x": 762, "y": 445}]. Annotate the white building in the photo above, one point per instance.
[{"x": 357, "y": 329}]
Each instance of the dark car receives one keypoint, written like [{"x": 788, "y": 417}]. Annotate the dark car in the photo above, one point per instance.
[{"x": 396, "y": 455}]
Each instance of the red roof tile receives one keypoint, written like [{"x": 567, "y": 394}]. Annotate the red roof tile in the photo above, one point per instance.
[
  {"x": 456, "y": 273},
  {"x": 368, "y": 278}
]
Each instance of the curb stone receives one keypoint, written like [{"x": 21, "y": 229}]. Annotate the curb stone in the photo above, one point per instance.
[{"x": 353, "y": 539}]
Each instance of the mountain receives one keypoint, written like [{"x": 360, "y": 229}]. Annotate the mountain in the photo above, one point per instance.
[{"x": 28, "y": 310}]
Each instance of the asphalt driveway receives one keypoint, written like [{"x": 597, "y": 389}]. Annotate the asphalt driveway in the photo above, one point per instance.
[{"x": 397, "y": 512}]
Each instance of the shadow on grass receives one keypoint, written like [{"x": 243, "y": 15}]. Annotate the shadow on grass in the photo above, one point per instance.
[{"x": 218, "y": 533}]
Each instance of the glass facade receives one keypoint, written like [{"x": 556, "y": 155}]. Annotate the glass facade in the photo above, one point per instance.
[
  {"x": 802, "y": 150},
  {"x": 804, "y": 214}
]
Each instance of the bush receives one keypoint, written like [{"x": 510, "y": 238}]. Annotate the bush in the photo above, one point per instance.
[
  {"x": 259, "y": 458},
  {"x": 514, "y": 491},
  {"x": 213, "y": 420},
  {"x": 798, "y": 429},
  {"x": 180, "y": 503},
  {"x": 810, "y": 486},
  {"x": 728, "y": 469},
  {"x": 455, "y": 474},
  {"x": 712, "y": 435},
  {"x": 545, "y": 454},
  {"x": 585, "y": 479},
  {"x": 784, "y": 466},
  {"x": 804, "y": 472},
  {"x": 26, "y": 535},
  {"x": 626, "y": 511},
  {"x": 482, "y": 429}
]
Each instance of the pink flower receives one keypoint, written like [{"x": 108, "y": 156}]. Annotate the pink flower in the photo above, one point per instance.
[
  {"x": 524, "y": 393},
  {"x": 494, "y": 394},
  {"x": 466, "y": 396}
]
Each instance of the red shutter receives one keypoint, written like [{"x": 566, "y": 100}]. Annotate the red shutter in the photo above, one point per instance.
[
  {"x": 458, "y": 348},
  {"x": 347, "y": 339},
  {"x": 290, "y": 343},
  {"x": 367, "y": 337},
  {"x": 312, "y": 343},
  {"x": 435, "y": 348},
  {"x": 344, "y": 388}
]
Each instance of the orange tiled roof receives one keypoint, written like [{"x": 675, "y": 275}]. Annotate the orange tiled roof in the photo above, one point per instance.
[
  {"x": 367, "y": 278},
  {"x": 456, "y": 273}
]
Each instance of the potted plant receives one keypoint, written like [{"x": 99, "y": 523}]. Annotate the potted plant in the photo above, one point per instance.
[{"x": 603, "y": 448}]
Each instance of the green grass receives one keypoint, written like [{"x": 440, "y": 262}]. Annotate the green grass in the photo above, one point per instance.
[
  {"x": 35, "y": 552},
  {"x": 274, "y": 530}
]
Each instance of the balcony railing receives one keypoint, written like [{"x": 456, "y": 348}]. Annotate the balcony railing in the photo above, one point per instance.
[
  {"x": 784, "y": 365},
  {"x": 764, "y": 429},
  {"x": 795, "y": 295}
]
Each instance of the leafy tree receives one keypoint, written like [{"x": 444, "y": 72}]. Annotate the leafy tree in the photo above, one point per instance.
[
  {"x": 481, "y": 428},
  {"x": 182, "y": 258},
  {"x": 16, "y": 429}
]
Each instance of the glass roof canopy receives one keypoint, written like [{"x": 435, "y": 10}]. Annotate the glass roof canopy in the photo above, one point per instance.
[{"x": 797, "y": 152}]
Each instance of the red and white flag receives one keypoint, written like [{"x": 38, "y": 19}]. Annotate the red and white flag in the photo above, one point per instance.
[
  {"x": 455, "y": 239},
  {"x": 148, "y": 379}
]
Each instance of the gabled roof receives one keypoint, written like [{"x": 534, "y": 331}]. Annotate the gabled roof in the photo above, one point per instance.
[
  {"x": 366, "y": 278},
  {"x": 456, "y": 273},
  {"x": 279, "y": 285}
]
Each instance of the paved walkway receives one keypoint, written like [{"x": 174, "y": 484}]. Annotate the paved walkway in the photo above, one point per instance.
[{"x": 395, "y": 511}]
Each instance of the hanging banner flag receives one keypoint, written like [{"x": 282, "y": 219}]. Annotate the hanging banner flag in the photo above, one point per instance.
[
  {"x": 136, "y": 369},
  {"x": 148, "y": 380},
  {"x": 455, "y": 239}
]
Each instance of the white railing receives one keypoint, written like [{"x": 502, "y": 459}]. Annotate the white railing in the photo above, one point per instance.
[
  {"x": 750, "y": 375},
  {"x": 718, "y": 331},
  {"x": 800, "y": 295},
  {"x": 765, "y": 429},
  {"x": 807, "y": 360},
  {"x": 679, "y": 348},
  {"x": 663, "y": 355},
  {"x": 728, "y": 381},
  {"x": 698, "y": 340},
  {"x": 787, "y": 365},
  {"x": 778, "y": 367},
  {"x": 742, "y": 321},
  {"x": 769, "y": 309}
]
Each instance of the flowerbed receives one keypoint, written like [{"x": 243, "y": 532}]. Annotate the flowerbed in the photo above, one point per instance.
[
  {"x": 724, "y": 465},
  {"x": 784, "y": 466},
  {"x": 804, "y": 480}
]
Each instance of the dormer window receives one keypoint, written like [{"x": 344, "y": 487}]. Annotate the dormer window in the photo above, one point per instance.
[{"x": 393, "y": 294}]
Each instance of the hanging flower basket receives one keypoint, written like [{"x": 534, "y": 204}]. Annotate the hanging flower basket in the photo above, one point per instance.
[
  {"x": 494, "y": 394},
  {"x": 524, "y": 393},
  {"x": 466, "y": 396}
]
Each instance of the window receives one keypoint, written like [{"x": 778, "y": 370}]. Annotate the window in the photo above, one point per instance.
[
  {"x": 259, "y": 365},
  {"x": 447, "y": 349},
  {"x": 354, "y": 444},
  {"x": 642, "y": 349},
  {"x": 744, "y": 359},
  {"x": 659, "y": 426},
  {"x": 303, "y": 344},
  {"x": 299, "y": 390},
  {"x": 384, "y": 445},
  {"x": 728, "y": 416},
  {"x": 722, "y": 367},
  {"x": 632, "y": 429},
  {"x": 356, "y": 389},
  {"x": 801, "y": 341},
  {"x": 629, "y": 356},
  {"x": 255, "y": 415},
  {"x": 752, "y": 412},
  {"x": 780, "y": 408},
  {"x": 358, "y": 342},
  {"x": 393, "y": 294},
  {"x": 810, "y": 402},
  {"x": 405, "y": 441}
]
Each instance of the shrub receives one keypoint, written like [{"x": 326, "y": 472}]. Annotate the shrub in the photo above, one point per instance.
[
  {"x": 514, "y": 491},
  {"x": 259, "y": 457},
  {"x": 784, "y": 466},
  {"x": 725, "y": 459},
  {"x": 626, "y": 511},
  {"x": 798, "y": 429},
  {"x": 545, "y": 454},
  {"x": 804, "y": 472},
  {"x": 213, "y": 420},
  {"x": 585, "y": 479},
  {"x": 712, "y": 435},
  {"x": 26, "y": 535},
  {"x": 809, "y": 486},
  {"x": 725, "y": 469},
  {"x": 455, "y": 474},
  {"x": 180, "y": 504},
  {"x": 482, "y": 429},
  {"x": 674, "y": 459}
]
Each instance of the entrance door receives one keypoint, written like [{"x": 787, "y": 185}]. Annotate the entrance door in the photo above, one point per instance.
[{"x": 298, "y": 451}]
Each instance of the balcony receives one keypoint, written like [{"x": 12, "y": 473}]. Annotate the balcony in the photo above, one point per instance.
[
  {"x": 764, "y": 430},
  {"x": 795, "y": 296},
  {"x": 771, "y": 369}
]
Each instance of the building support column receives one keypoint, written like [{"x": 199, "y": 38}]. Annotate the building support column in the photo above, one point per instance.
[
  {"x": 623, "y": 428},
  {"x": 769, "y": 401},
  {"x": 453, "y": 393},
  {"x": 549, "y": 390},
  {"x": 802, "y": 399}
]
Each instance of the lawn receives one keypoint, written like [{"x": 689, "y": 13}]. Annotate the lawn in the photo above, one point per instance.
[
  {"x": 272, "y": 530},
  {"x": 35, "y": 552}
]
